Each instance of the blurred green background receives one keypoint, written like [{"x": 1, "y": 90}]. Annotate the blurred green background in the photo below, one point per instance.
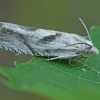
[{"x": 61, "y": 15}]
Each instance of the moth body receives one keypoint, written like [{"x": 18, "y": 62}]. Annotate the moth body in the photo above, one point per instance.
[{"x": 43, "y": 42}]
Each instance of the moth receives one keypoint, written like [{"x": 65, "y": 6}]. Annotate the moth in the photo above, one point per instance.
[{"x": 44, "y": 42}]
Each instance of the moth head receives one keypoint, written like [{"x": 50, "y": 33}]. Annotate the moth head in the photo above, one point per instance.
[
  {"x": 94, "y": 50},
  {"x": 91, "y": 49}
]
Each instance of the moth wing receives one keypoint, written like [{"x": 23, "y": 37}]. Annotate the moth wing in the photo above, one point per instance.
[
  {"x": 12, "y": 40},
  {"x": 35, "y": 41},
  {"x": 58, "y": 44}
]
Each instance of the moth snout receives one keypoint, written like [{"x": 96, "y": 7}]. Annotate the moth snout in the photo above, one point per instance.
[{"x": 94, "y": 50}]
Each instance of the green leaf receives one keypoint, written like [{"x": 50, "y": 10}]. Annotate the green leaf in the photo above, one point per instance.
[{"x": 55, "y": 78}]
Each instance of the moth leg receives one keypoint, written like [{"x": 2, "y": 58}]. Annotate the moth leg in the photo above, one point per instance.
[
  {"x": 84, "y": 56},
  {"x": 70, "y": 61},
  {"x": 64, "y": 57}
]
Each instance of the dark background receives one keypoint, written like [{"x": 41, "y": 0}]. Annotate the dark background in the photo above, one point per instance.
[{"x": 61, "y": 15}]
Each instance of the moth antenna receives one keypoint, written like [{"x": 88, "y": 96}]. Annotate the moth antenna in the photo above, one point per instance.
[{"x": 85, "y": 29}]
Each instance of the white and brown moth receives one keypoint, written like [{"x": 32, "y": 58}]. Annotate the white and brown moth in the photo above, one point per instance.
[{"x": 43, "y": 42}]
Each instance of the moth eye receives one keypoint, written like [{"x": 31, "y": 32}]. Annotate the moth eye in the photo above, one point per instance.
[{"x": 90, "y": 47}]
